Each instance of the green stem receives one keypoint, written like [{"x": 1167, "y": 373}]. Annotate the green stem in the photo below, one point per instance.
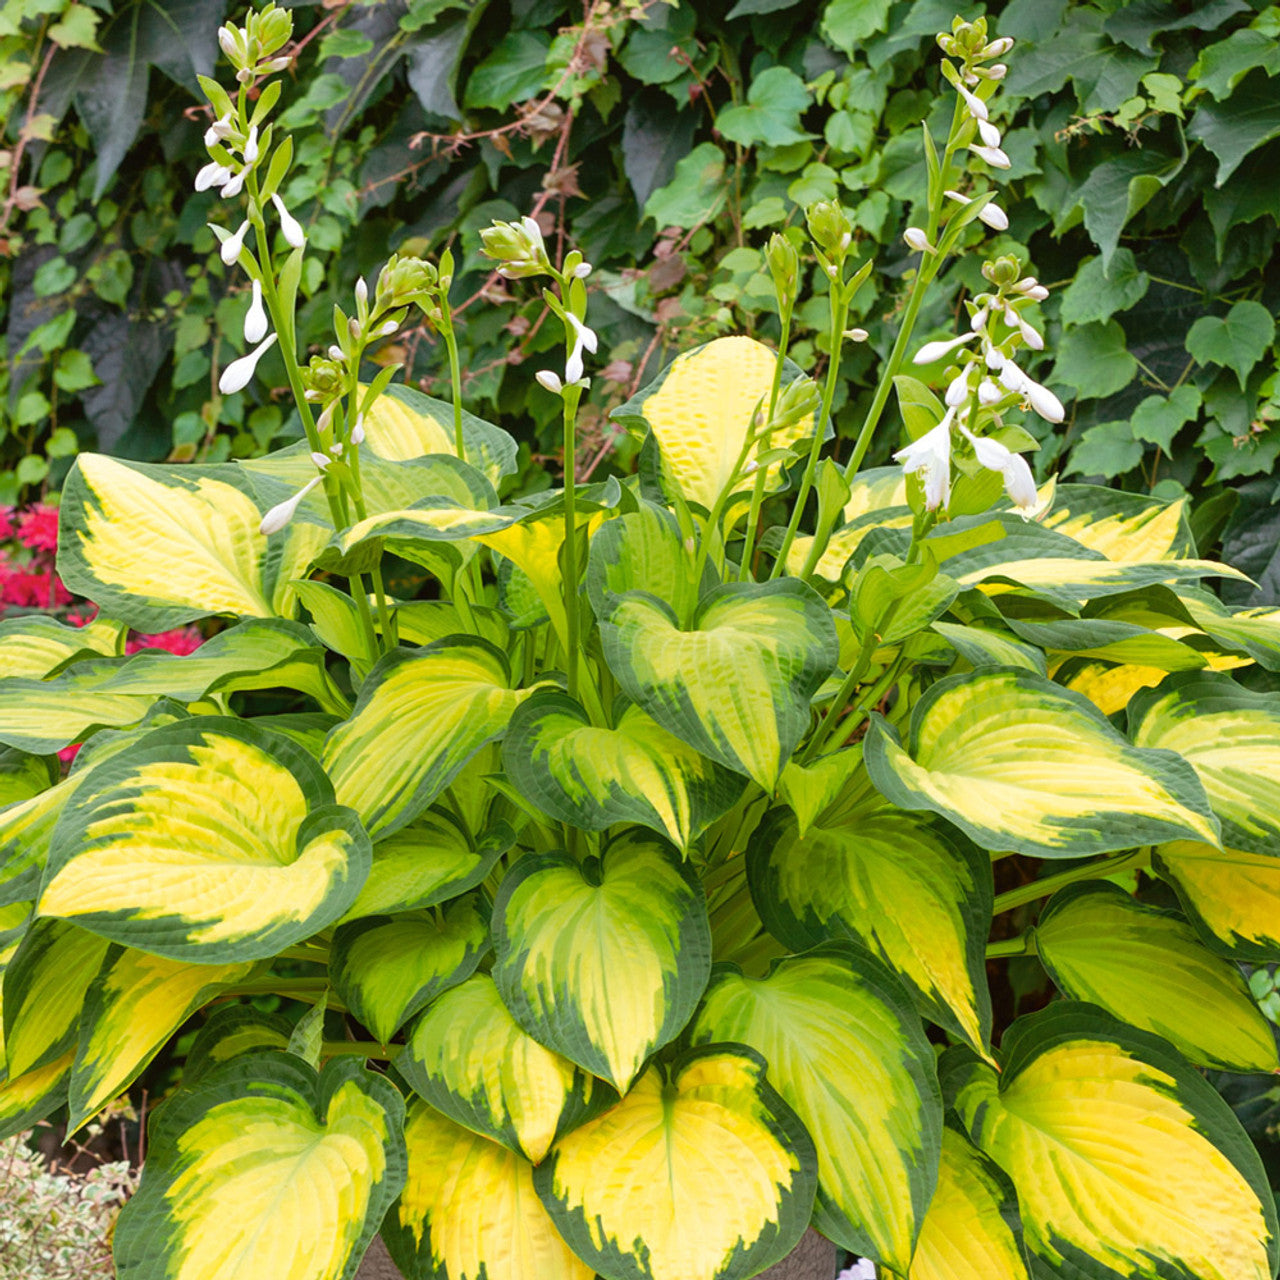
[
  {"x": 455, "y": 376},
  {"x": 712, "y": 531},
  {"x": 839, "y": 316},
  {"x": 290, "y": 987},
  {"x": 1051, "y": 884},
  {"x": 572, "y": 657},
  {"x": 1023, "y": 945},
  {"x": 757, "y": 491},
  {"x": 358, "y": 1048}
]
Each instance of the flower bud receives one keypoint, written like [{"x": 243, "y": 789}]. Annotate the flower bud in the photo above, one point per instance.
[
  {"x": 239, "y": 373},
  {"x": 932, "y": 351},
  {"x": 212, "y": 175},
  {"x": 994, "y": 216},
  {"x": 828, "y": 225},
  {"x": 283, "y": 512},
  {"x": 996, "y": 158},
  {"x": 290, "y": 227},
  {"x": 357, "y": 430},
  {"x": 550, "y": 381},
  {"x": 797, "y": 403},
  {"x": 989, "y": 134},
  {"x": 255, "y": 321},
  {"x": 234, "y": 185},
  {"x": 518, "y": 246},
  {"x": 1002, "y": 272},
  {"x": 784, "y": 264},
  {"x": 233, "y": 244},
  {"x": 322, "y": 460},
  {"x": 916, "y": 239},
  {"x": 251, "y": 146}
]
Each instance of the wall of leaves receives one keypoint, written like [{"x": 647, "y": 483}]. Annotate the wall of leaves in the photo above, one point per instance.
[{"x": 667, "y": 141}]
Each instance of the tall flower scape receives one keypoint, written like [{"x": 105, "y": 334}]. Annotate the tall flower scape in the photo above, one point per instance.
[{"x": 634, "y": 890}]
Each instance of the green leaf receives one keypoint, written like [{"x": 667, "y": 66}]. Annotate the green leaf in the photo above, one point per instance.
[
  {"x": 1127, "y": 1164},
  {"x": 513, "y": 72},
  {"x": 1106, "y": 450},
  {"x": 1157, "y": 419},
  {"x": 1238, "y": 340},
  {"x": 846, "y": 1051},
  {"x": 605, "y": 962},
  {"x": 1147, "y": 968},
  {"x": 1240, "y": 124},
  {"x": 387, "y": 968},
  {"x": 1118, "y": 188},
  {"x": 737, "y": 684},
  {"x": 1222, "y": 66},
  {"x": 846, "y": 24},
  {"x": 712, "y": 1174},
  {"x": 771, "y": 115},
  {"x": 1023, "y": 765},
  {"x": 172, "y": 845},
  {"x": 263, "y": 1167},
  {"x": 1098, "y": 291},
  {"x": 695, "y": 194},
  {"x": 473, "y": 1062},
  {"x": 1094, "y": 359}
]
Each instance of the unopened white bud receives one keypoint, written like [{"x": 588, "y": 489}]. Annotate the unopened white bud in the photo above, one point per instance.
[
  {"x": 234, "y": 185},
  {"x": 978, "y": 321},
  {"x": 932, "y": 351},
  {"x": 994, "y": 216},
  {"x": 856, "y": 335},
  {"x": 998, "y": 48},
  {"x": 336, "y": 449},
  {"x": 238, "y": 374},
  {"x": 1043, "y": 401},
  {"x": 251, "y": 146},
  {"x": 977, "y": 108},
  {"x": 1038, "y": 292},
  {"x": 321, "y": 460},
  {"x": 989, "y": 134},
  {"x": 212, "y": 175},
  {"x": 283, "y": 512},
  {"x": 227, "y": 41},
  {"x": 362, "y": 291},
  {"x": 916, "y": 239},
  {"x": 357, "y": 431},
  {"x": 988, "y": 392},
  {"x": 290, "y": 227},
  {"x": 336, "y": 352},
  {"x": 992, "y": 155},
  {"x": 958, "y": 389},
  {"x": 550, "y": 381},
  {"x": 255, "y": 321},
  {"x": 353, "y": 327},
  {"x": 233, "y": 244},
  {"x": 388, "y": 329},
  {"x": 582, "y": 270},
  {"x": 245, "y": 76},
  {"x": 996, "y": 71},
  {"x": 277, "y": 64},
  {"x": 325, "y": 420}
]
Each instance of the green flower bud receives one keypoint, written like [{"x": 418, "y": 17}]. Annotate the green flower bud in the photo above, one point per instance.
[
  {"x": 797, "y": 402},
  {"x": 1003, "y": 272},
  {"x": 272, "y": 28},
  {"x": 518, "y": 247},
  {"x": 323, "y": 377},
  {"x": 403, "y": 281},
  {"x": 829, "y": 226},
  {"x": 784, "y": 264}
]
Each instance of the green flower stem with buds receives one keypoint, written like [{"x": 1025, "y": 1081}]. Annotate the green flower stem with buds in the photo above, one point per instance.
[
  {"x": 455, "y": 373},
  {"x": 1037, "y": 889}
]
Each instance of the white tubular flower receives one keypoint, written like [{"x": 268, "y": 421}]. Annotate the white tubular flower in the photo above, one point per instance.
[
  {"x": 550, "y": 381},
  {"x": 212, "y": 175},
  {"x": 856, "y": 335},
  {"x": 362, "y": 291},
  {"x": 994, "y": 358},
  {"x": 917, "y": 240},
  {"x": 534, "y": 233},
  {"x": 321, "y": 460},
  {"x": 998, "y": 48},
  {"x": 932, "y": 351},
  {"x": 255, "y": 321},
  {"x": 977, "y": 108},
  {"x": 227, "y": 41},
  {"x": 989, "y": 393},
  {"x": 582, "y": 270},
  {"x": 357, "y": 430},
  {"x": 233, "y": 244},
  {"x": 238, "y": 374},
  {"x": 283, "y": 512},
  {"x": 388, "y": 329},
  {"x": 234, "y": 185},
  {"x": 992, "y": 155},
  {"x": 1019, "y": 483},
  {"x": 989, "y": 134},
  {"x": 336, "y": 449},
  {"x": 958, "y": 388},
  {"x": 978, "y": 321},
  {"x": 994, "y": 216},
  {"x": 336, "y": 352},
  {"x": 996, "y": 71},
  {"x": 1041, "y": 399},
  {"x": 251, "y": 146},
  {"x": 1037, "y": 291},
  {"x": 931, "y": 454},
  {"x": 290, "y": 227},
  {"x": 583, "y": 338}
]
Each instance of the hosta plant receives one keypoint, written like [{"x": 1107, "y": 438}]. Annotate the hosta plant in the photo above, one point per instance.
[{"x": 632, "y": 846}]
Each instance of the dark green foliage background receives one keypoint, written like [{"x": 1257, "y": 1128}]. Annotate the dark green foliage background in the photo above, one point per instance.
[{"x": 668, "y": 143}]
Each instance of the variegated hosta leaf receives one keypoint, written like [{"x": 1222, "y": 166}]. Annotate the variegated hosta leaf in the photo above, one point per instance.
[
  {"x": 982, "y": 646},
  {"x": 1128, "y": 1165},
  {"x": 917, "y": 895},
  {"x": 44, "y": 990},
  {"x": 709, "y": 1174},
  {"x": 971, "y": 1231},
  {"x": 468, "y": 1211},
  {"x": 156, "y": 546},
  {"x": 602, "y": 962},
  {"x": 595, "y": 778},
  {"x": 877, "y": 499},
  {"x": 263, "y": 1168},
  {"x": 421, "y": 715},
  {"x": 1145, "y": 966},
  {"x": 737, "y": 684},
  {"x": 433, "y": 519},
  {"x": 33, "y": 646},
  {"x": 386, "y": 968},
  {"x": 231, "y": 1030},
  {"x": 23, "y": 775},
  {"x": 47, "y": 715},
  {"x": 1023, "y": 765},
  {"x": 643, "y": 551},
  {"x": 1123, "y": 526},
  {"x": 1108, "y": 687},
  {"x": 699, "y": 410},
  {"x": 847, "y": 1051},
  {"x": 1231, "y": 896},
  {"x": 474, "y": 1063},
  {"x": 403, "y": 424},
  {"x": 1109, "y": 639},
  {"x": 422, "y": 621},
  {"x": 209, "y": 839},
  {"x": 428, "y": 863},
  {"x": 1252, "y": 631},
  {"x": 27, "y": 1099},
  {"x": 1231, "y": 736},
  {"x": 136, "y": 1002}
]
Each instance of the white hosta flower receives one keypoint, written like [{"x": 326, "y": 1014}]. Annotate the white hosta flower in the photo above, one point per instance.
[
  {"x": 233, "y": 244},
  {"x": 1041, "y": 399},
  {"x": 989, "y": 393},
  {"x": 917, "y": 240},
  {"x": 959, "y": 387},
  {"x": 325, "y": 420},
  {"x": 212, "y": 175},
  {"x": 989, "y": 134},
  {"x": 388, "y": 329},
  {"x": 238, "y": 374},
  {"x": 582, "y": 270},
  {"x": 931, "y": 454},
  {"x": 992, "y": 155},
  {"x": 583, "y": 338},
  {"x": 322, "y": 460},
  {"x": 255, "y": 321},
  {"x": 998, "y": 48},
  {"x": 362, "y": 291},
  {"x": 932, "y": 351},
  {"x": 283, "y": 512},
  {"x": 990, "y": 213},
  {"x": 1019, "y": 483},
  {"x": 234, "y": 185},
  {"x": 550, "y": 381},
  {"x": 977, "y": 108},
  {"x": 357, "y": 430},
  {"x": 336, "y": 352},
  {"x": 227, "y": 41},
  {"x": 251, "y": 146},
  {"x": 856, "y": 335},
  {"x": 978, "y": 321},
  {"x": 863, "y": 1269},
  {"x": 290, "y": 227}
]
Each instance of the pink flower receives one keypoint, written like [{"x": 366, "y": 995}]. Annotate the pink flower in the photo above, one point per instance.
[
  {"x": 38, "y": 528},
  {"x": 6, "y": 523},
  {"x": 68, "y": 754},
  {"x": 182, "y": 640}
]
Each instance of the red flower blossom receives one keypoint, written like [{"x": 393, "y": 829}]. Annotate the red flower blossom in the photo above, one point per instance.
[
  {"x": 38, "y": 528},
  {"x": 183, "y": 640},
  {"x": 6, "y": 523}
]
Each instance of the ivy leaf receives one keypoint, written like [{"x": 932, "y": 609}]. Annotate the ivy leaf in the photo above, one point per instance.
[
  {"x": 695, "y": 193},
  {"x": 1159, "y": 418},
  {"x": 771, "y": 115},
  {"x": 653, "y": 140},
  {"x": 648, "y": 53},
  {"x": 847, "y": 23},
  {"x": 1097, "y": 292},
  {"x": 1232, "y": 129},
  {"x": 745, "y": 7},
  {"x": 1223, "y": 65},
  {"x": 1237, "y": 340},
  {"x": 1136, "y": 23},
  {"x": 1105, "y": 450},
  {"x": 513, "y": 72},
  {"x": 77, "y": 29},
  {"x": 1247, "y": 195},
  {"x": 1095, "y": 360},
  {"x": 1118, "y": 188},
  {"x": 1244, "y": 455}
]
